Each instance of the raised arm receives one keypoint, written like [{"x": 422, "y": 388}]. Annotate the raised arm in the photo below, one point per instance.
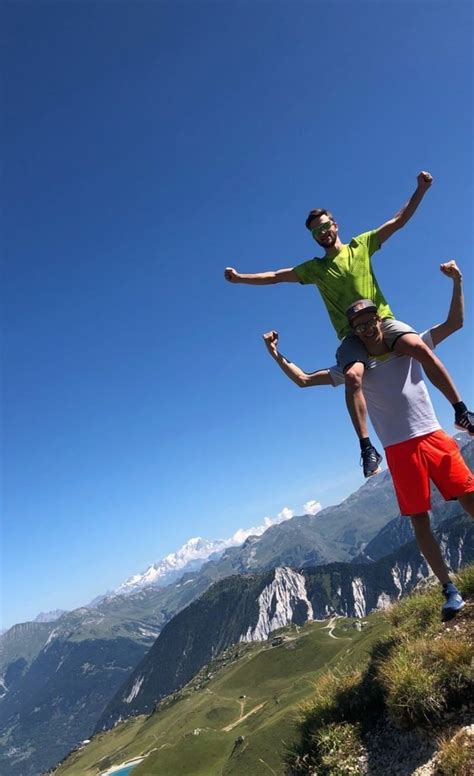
[
  {"x": 455, "y": 318},
  {"x": 302, "y": 379},
  {"x": 424, "y": 181},
  {"x": 261, "y": 278}
]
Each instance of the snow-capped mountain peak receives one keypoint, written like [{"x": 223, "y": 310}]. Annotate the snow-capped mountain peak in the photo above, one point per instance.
[
  {"x": 194, "y": 553},
  {"x": 189, "y": 557}
]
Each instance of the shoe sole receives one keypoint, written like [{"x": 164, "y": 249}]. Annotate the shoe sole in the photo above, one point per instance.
[
  {"x": 449, "y": 612},
  {"x": 371, "y": 474},
  {"x": 460, "y": 428}
]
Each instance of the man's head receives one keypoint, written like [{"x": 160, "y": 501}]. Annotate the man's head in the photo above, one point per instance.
[
  {"x": 366, "y": 323},
  {"x": 323, "y": 227}
]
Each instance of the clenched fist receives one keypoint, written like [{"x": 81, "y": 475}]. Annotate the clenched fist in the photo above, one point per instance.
[
  {"x": 271, "y": 341},
  {"x": 425, "y": 179},
  {"x": 231, "y": 275},
  {"x": 450, "y": 269}
]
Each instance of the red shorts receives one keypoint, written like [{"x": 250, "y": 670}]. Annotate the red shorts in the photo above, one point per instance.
[{"x": 413, "y": 463}]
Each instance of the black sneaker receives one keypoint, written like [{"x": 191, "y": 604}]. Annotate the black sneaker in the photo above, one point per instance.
[
  {"x": 465, "y": 422},
  {"x": 370, "y": 460}
]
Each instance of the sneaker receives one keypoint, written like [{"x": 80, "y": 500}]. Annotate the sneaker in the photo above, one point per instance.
[
  {"x": 465, "y": 422},
  {"x": 370, "y": 459},
  {"x": 454, "y": 602}
]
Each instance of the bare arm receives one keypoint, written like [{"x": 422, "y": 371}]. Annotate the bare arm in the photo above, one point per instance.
[
  {"x": 261, "y": 278},
  {"x": 301, "y": 378},
  {"x": 455, "y": 318},
  {"x": 385, "y": 231}
]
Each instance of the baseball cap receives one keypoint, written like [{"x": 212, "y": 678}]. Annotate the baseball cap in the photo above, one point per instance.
[{"x": 361, "y": 306}]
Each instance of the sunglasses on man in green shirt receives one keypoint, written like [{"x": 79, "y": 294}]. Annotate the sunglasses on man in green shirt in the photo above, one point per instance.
[{"x": 321, "y": 229}]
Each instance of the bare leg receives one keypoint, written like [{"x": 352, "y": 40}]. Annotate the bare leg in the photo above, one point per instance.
[
  {"x": 429, "y": 547},
  {"x": 355, "y": 399},
  {"x": 412, "y": 345},
  {"x": 467, "y": 502}
]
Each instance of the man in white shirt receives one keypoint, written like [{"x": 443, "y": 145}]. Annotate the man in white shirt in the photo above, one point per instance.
[
  {"x": 400, "y": 409},
  {"x": 343, "y": 275}
]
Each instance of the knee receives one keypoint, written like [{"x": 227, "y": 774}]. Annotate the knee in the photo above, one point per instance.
[
  {"x": 421, "y": 524},
  {"x": 467, "y": 502}
]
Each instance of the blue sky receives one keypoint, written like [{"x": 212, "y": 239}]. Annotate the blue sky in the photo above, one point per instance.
[{"x": 147, "y": 146}]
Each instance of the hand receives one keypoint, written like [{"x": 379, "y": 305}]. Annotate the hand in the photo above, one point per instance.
[
  {"x": 425, "y": 179},
  {"x": 231, "y": 275},
  {"x": 451, "y": 270},
  {"x": 271, "y": 341}
]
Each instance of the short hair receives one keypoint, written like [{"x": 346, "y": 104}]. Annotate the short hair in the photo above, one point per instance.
[{"x": 316, "y": 214}]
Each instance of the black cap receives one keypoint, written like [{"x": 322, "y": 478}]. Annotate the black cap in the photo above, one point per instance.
[{"x": 361, "y": 306}]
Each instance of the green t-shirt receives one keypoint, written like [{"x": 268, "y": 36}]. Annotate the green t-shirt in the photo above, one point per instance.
[{"x": 345, "y": 278}]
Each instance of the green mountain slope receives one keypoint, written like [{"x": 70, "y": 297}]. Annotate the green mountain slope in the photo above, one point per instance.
[
  {"x": 326, "y": 698},
  {"x": 248, "y": 607},
  {"x": 251, "y": 691}
]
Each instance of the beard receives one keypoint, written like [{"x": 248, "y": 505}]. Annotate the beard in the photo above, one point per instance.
[{"x": 328, "y": 240}]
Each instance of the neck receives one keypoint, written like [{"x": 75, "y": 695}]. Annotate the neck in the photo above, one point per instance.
[
  {"x": 377, "y": 348},
  {"x": 334, "y": 249}
]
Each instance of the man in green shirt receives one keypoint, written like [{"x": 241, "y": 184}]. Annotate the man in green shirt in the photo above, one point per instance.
[{"x": 344, "y": 275}]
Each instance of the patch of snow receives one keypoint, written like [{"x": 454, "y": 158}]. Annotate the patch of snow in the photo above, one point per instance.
[
  {"x": 51, "y": 636},
  {"x": 135, "y": 690},
  {"x": 192, "y": 554},
  {"x": 460, "y": 552},
  {"x": 147, "y": 632}
]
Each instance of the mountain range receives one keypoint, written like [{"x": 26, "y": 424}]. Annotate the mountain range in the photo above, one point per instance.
[
  {"x": 250, "y": 607},
  {"x": 190, "y": 557},
  {"x": 60, "y": 680}
]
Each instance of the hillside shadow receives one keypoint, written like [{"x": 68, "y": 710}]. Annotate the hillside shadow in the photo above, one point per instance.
[
  {"x": 388, "y": 749},
  {"x": 395, "y": 752}
]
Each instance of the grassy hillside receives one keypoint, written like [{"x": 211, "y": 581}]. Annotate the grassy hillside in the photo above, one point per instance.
[
  {"x": 411, "y": 705},
  {"x": 251, "y": 691},
  {"x": 326, "y": 699}
]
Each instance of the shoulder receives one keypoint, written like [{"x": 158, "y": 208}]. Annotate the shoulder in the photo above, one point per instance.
[
  {"x": 369, "y": 240},
  {"x": 308, "y": 270}
]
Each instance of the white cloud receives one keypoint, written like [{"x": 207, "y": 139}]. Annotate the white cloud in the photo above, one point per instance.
[
  {"x": 312, "y": 507},
  {"x": 243, "y": 533}
]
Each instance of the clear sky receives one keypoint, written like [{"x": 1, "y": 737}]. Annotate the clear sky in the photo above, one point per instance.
[{"x": 146, "y": 146}]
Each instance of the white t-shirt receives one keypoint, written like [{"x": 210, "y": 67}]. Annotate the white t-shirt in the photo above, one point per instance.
[{"x": 397, "y": 399}]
